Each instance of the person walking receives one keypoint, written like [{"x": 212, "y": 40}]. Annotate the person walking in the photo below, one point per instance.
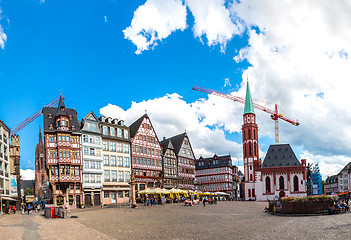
[
  {"x": 9, "y": 209},
  {"x": 14, "y": 209},
  {"x": 204, "y": 201}
]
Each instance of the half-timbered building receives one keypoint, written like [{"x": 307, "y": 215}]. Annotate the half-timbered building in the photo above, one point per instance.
[
  {"x": 146, "y": 154},
  {"x": 63, "y": 154}
]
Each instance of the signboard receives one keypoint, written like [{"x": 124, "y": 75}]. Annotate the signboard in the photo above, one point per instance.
[{"x": 13, "y": 185}]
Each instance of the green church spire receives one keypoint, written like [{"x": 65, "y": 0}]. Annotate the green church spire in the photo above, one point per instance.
[{"x": 248, "y": 101}]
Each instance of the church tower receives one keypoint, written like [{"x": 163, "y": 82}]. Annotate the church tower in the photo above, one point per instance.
[
  {"x": 250, "y": 146},
  {"x": 41, "y": 176}
]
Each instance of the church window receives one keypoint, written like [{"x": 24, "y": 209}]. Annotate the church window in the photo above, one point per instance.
[
  {"x": 268, "y": 185},
  {"x": 250, "y": 149},
  {"x": 254, "y": 134},
  {"x": 250, "y": 167},
  {"x": 250, "y": 177},
  {"x": 296, "y": 184},
  {"x": 249, "y": 193},
  {"x": 249, "y": 134},
  {"x": 281, "y": 182},
  {"x": 255, "y": 149},
  {"x": 253, "y": 192}
]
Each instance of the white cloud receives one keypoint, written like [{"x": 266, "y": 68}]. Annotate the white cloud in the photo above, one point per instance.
[
  {"x": 213, "y": 20},
  {"x": 105, "y": 19},
  {"x": 28, "y": 174},
  {"x": 155, "y": 21},
  {"x": 3, "y": 37},
  {"x": 206, "y": 135},
  {"x": 227, "y": 82},
  {"x": 299, "y": 58}
]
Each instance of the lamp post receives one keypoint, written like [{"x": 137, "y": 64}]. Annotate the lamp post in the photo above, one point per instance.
[{"x": 132, "y": 183}]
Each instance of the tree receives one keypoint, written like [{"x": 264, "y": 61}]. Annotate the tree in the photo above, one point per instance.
[
  {"x": 323, "y": 183},
  {"x": 29, "y": 191}
]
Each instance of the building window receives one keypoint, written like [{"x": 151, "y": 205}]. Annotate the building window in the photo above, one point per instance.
[
  {"x": 249, "y": 193},
  {"x": 268, "y": 185},
  {"x": 113, "y": 146},
  {"x": 106, "y": 160},
  {"x": 281, "y": 183},
  {"x": 120, "y": 176},
  {"x": 85, "y": 138},
  {"x": 114, "y": 176},
  {"x": 126, "y": 161},
  {"x": 119, "y": 132},
  {"x": 120, "y": 194},
  {"x": 250, "y": 177},
  {"x": 107, "y": 175},
  {"x": 120, "y": 161},
  {"x": 104, "y": 130},
  {"x": 125, "y": 134},
  {"x": 112, "y": 131},
  {"x": 105, "y": 145},
  {"x": 119, "y": 147},
  {"x": 126, "y": 148},
  {"x": 106, "y": 194},
  {"x": 127, "y": 176},
  {"x": 113, "y": 160},
  {"x": 296, "y": 184}
]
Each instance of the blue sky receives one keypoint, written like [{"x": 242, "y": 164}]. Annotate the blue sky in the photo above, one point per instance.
[
  {"x": 120, "y": 58},
  {"x": 51, "y": 47}
]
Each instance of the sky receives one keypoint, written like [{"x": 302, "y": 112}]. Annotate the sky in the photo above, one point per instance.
[{"x": 122, "y": 58}]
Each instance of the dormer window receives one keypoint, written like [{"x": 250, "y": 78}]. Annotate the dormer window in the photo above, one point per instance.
[
  {"x": 62, "y": 108},
  {"x": 73, "y": 127},
  {"x": 70, "y": 117},
  {"x": 50, "y": 115},
  {"x": 50, "y": 126}
]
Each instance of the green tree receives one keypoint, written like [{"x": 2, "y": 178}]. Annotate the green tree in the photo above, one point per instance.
[
  {"x": 29, "y": 191},
  {"x": 323, "y": 183}
]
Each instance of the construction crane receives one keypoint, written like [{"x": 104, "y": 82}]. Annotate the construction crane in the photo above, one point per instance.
[
  {"x": 274, "y": 113},
  {"x": 21, "y": 125}
]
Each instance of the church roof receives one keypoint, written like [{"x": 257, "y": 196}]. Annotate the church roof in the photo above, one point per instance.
[
  {"x": 280, "y": 155},
  {"x": 248, "y": 101}
]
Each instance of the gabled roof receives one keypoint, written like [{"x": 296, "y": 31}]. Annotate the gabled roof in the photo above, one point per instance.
[
  {"x": 94, "y": 116},
  {"x": 280, "y": 155},
  {"x": 248, "y": 101},
  {"x": 166, "y": 144},
  {"x": 55, "y": 111},
  {"x": 223, "y": 161},
  {"x": 177, "y": 142},
  {"x": 346, "y": 168},
  {"x": 133, "y": 128}
]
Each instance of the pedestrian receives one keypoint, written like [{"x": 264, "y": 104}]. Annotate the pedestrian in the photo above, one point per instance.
[
  {"x": 14, "y": 209},
  {"x": 9, "y": 209},
  {"x": 23, "y": 208},
  {"x": 204, "y": 201}
]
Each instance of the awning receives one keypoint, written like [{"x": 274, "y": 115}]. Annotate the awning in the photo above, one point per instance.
[{"x": 9, "y": 199}]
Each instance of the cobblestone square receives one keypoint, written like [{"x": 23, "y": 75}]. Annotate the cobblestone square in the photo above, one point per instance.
[{"x": 226, "y": 220}]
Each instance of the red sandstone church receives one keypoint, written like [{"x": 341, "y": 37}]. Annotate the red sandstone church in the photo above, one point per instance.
[{"x": 280, "y": 174}]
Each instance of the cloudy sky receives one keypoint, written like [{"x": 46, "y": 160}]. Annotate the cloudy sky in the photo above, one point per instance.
[{"x": 122, "y": 58}]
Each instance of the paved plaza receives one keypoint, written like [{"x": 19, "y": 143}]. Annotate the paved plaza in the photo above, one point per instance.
[{"x": 226, "y": 220}]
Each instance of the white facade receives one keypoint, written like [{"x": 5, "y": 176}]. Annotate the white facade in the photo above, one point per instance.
[
  {"x": 92, "y": 160},
  {"x": 288, "y": 185},
  {"x": 4, "y": 161}
]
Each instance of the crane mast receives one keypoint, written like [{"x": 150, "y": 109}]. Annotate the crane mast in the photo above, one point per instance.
[{"x": 274, "y": 113}]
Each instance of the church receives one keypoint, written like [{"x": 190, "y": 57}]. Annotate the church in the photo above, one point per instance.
[{"x": 281, "y": 174}]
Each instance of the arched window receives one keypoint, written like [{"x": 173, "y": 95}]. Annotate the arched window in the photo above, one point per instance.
[
  {"x": 268, "y": 185},
  {"x": 249, "y": 192},
  {"x": 249, "y": 134},
  {"x": 250, "y": 150},
  {"x": 296, "y": 184},
  {"x": 244, "y": 149},
  {"x": 253, "y": 192},
  {"x": 281, "y": 182},
  {"x": 250, "y": 177},
  {"x": 255, "y": 149}
]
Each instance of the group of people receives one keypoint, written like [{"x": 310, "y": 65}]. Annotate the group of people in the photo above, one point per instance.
[
  {"x": 12, "y": 208},
  {"x": 342, "y": 206},
  {"x": 210, "y": 200}
]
